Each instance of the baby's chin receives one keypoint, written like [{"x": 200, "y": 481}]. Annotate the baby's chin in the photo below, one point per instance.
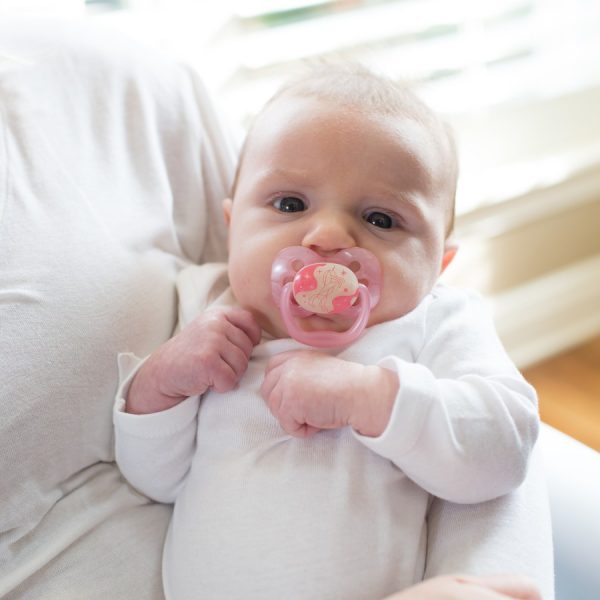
[
  {"x": 313, "y": 323},
  {"x": 325, "y": 323}
]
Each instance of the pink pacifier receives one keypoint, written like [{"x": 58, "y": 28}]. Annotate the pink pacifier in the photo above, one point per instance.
[{"x": 303, "y": 283}]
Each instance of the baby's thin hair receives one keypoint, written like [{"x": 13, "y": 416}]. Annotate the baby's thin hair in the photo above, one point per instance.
[{"x": 351, "y": 84}]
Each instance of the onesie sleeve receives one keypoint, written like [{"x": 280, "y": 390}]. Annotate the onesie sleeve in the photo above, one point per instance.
[
  {"x": 464, "y": 421},
  {"x": 154, "y": 451}
]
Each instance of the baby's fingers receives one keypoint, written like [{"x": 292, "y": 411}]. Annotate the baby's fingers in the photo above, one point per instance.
[
  {"x": 233, "y": 365},
  {"x": 239, "y": 338},
  {"x": 267, "y": 390},
  {"x": 245, "y": 321},
  {"x": 272, "y": 393}
]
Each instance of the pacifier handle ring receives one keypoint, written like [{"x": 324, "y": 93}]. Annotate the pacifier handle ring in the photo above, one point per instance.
[{"x": 325, "y": 339}]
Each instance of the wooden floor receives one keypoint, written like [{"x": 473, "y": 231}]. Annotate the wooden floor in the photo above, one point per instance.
[{"x": 568, "y": 387}]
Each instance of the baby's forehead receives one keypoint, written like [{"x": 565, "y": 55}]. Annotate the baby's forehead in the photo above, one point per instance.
[
  {"x": 401, "y": 108},
  {"x": 424, "y": 133},
  {"x": 308, "y": 111}
]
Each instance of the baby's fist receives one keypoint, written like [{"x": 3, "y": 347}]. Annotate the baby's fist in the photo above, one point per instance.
[{"x": 212, "y": 351}]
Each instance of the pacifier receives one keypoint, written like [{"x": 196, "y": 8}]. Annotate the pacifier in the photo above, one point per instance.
[{"x": 304, "y": 283}]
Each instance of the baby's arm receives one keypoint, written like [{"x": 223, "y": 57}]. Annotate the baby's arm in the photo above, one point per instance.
[
  {"x": 460, "y": 421},
  {"x": 464, "y": 421},
  {"x": 154, "y": 451},
  {"x": 155, "y": 414}
]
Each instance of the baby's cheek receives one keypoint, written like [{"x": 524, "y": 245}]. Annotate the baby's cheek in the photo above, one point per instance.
[{"x": 392, "y": 308}]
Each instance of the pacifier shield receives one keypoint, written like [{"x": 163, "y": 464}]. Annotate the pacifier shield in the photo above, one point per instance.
[
  {"x": 304, "y": 283},
  {"x": 325, "y": 288}
]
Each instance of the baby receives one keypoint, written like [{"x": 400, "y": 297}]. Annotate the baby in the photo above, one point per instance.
[{"x": 303, "y": 473}]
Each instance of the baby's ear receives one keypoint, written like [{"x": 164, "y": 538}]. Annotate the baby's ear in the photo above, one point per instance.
[
  {"x": 450, "y": 250},
  {"x": 227, "y": 204}
]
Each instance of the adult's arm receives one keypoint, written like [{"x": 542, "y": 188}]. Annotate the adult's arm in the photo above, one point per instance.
[{"x": 511, "y": 534}]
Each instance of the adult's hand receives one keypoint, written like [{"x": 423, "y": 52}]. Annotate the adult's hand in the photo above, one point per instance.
[{"x": 456, "y": 587}]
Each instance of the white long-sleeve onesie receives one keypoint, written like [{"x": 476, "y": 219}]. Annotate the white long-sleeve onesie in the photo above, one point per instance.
[{"x": 260, "y": 514}]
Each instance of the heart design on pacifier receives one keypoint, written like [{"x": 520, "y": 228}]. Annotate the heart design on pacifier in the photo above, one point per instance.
[{"x": 304, "y": 283}]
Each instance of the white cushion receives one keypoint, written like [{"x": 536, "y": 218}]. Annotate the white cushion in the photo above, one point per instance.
[{"x": 111, "y": 165}]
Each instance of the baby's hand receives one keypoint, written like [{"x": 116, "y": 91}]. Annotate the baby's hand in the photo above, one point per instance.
[
  {"x": 210, "y": 352},
  {"x": 308, "y": 391}
]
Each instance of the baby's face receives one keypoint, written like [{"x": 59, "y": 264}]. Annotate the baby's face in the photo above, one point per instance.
[{"x": 323, "y": 176}]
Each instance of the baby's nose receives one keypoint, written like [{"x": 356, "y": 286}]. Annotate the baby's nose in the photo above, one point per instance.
[{"x": 329, "y": 234}]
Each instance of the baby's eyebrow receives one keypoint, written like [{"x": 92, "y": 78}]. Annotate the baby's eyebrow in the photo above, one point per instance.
[
  {"x": 416, "y": 208},
  {"x": 296, "y": 176},
  {"x": 406, "y": 201}
]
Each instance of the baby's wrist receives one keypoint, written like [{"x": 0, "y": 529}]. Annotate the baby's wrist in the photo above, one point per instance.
[
  {"x": 374, "y": 407},
  {"x": 144, "y": 395}
]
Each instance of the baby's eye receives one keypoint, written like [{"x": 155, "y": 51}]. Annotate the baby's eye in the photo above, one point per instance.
[
  {"x": 289, "y": 204},
  {"x": 379, "y": 219}
]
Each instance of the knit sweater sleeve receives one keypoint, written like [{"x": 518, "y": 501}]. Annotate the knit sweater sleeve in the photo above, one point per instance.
[{"x": 464, "y": 421}]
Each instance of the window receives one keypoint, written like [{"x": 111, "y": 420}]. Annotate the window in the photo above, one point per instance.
[{"x": 518, "y": 79}]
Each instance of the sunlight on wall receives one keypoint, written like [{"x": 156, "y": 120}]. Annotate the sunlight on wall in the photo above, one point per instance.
[
  {"x": 519, "y": 80},
  {"x": 42, "y": 8}
]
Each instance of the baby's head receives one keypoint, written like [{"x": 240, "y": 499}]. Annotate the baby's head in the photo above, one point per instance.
[{"x": 337, "y": 159}]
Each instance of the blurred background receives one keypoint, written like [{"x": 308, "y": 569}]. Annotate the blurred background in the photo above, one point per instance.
[{"x": 519, "y": 81}]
